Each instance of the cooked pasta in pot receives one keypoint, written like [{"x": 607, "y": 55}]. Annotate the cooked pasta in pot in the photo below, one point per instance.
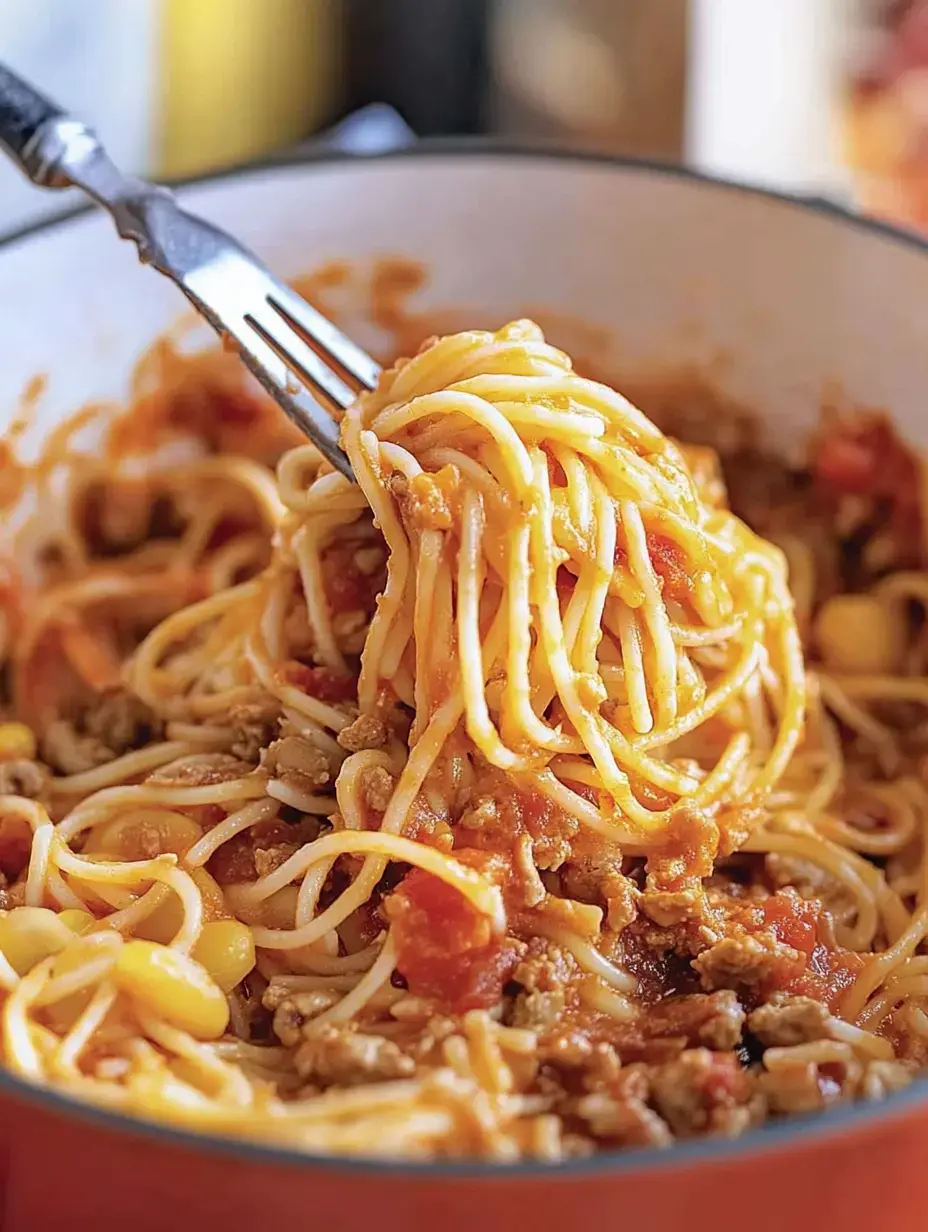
[{"x": 518, "y": 800}]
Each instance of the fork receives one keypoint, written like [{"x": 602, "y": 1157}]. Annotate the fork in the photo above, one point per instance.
[{"x": 284, "y": 341}]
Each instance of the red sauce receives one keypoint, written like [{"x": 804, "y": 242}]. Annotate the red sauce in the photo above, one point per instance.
[
  {"x": 322, "y": 683},
  {"x": 793, "y": 921},
  {"x": 862, "y": 455},
  {"x": 347, "y": 589},
  {"x": 15, "y": 846},
  {"x": 445, "y": 949},
  {"x": 725, "y": 1080},
  {"x": 822, "y": 973},
  {"x": 670, "y": 563},
  {"x": 829, "y": 974},
  {"x": 520, "y": 810}
]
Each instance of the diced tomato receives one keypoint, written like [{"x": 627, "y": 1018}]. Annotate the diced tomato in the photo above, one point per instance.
[
  {"x": 823, "y": 974},
  {"x": 669, "y": 563},
  {"x": 322, "y": 683},
  {"x": 862, "y": 455},
  {"x": 725, "y": 1081},
  {"x": 15, "y": 846},
  {"x": 445, "y": 948},
  {"x": 794, "y": 921},
  {"x": 827, "y": 976}
]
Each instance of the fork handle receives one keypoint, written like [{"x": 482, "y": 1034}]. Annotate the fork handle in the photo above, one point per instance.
[{"x": 23, "y": 114}]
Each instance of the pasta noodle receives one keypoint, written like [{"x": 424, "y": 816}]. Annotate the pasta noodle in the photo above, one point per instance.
[{"x": 411, "y": 816}]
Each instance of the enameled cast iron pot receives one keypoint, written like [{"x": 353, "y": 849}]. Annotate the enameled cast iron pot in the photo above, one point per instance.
[{"x": 782, "y": 298}]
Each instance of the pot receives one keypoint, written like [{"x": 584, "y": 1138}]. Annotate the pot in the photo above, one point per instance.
[{"x": 650, "y": 268}]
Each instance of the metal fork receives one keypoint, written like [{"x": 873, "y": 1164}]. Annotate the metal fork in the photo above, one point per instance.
[{"x": 285, "y": 342}]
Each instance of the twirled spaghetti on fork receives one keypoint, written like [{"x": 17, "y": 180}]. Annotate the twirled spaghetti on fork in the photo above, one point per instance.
[{"x": 440, "y": 814}]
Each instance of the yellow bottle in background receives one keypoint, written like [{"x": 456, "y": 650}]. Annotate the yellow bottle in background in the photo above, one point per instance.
[{"x": 240, "y": 78}]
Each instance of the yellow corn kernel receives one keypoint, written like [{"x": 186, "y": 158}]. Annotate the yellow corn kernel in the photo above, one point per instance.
[
  {"x": 226, "y": 949},
  {"x": 861, "y": 634},
  {"x": 151, "y": 832},
  {"x": 17, "y": 742},
  {"x": 172, "y": 986},
  {"x": 29, "y": 934},
  {"x": 165, "y": 921},
  {"x": 276, "y": 911},
  {"x": 63, "y": 1013},
  {"x": 78, "y": 921}
]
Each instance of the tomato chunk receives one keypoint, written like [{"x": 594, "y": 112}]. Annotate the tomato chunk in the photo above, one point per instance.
[
  {"x": 823, "y": 973},
  {"x": 445, "y": 948}
]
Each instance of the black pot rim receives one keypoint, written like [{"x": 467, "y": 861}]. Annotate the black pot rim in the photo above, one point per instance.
[{"x": 771, "y": 1137}]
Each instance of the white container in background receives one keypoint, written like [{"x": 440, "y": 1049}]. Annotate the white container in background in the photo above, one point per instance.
[
  {"x": 766, "y": 79},
  {"x": 97, "y": 58}
]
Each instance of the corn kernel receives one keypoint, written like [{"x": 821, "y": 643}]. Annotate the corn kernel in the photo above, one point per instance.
[
  {"x": 276, "y": 911},
  {"x": 165, "y": 921},
  {"x": 78, "y": 921},
  {"x": 29, "y": 934},
  {"x": 861, "y": 634},
  {"x": 17, "y": 742},
  {"x": 226, "y": 949},
  {"x": 172, "y": 986},
  {"x": 63, "y": 1013}
]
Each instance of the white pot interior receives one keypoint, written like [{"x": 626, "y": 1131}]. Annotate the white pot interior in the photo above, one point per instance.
[{"x": 782, "y": 299}]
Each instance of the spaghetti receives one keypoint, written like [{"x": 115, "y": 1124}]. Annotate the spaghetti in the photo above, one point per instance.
[{"x": 485, "y": 807}]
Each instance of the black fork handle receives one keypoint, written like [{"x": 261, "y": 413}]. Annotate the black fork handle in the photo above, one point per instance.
[{"x": 23, "y": 112}]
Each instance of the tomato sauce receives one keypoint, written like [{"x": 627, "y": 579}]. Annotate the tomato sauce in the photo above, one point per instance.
[
  {"x": 821, "y": 973},
  {"x": 445, "y": 948},
  {"x": 322, "y": 683}
]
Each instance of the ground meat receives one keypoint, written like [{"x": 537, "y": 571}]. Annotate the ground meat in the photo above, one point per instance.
[
  {"x": 622, "y": 1122},
  {"x": 23, "y": 778},
  {"x": 296, "y": 760},
  {"x": 736, "y": 962},
  {"x": 254, "y": 727},
  {"x": 714, "y": 1020},
  {"x": 69, "y": 752},
  {"x": 121, "y": 721},
  {"x": 698, "y": 1092},
  {"x": 113, "y": 725},
  {"x": 482, "y": 815},
  {"x": 533, "y": 888},
  {"x": 292, "y": 1011},
  {"x": 340, "y": 1056},
  {"x": 545, "y": 967},
  {"x": 366, "y": 732},
  {"x": 538, "y": 1011},
  {"x": 786, "y": 1020},
  {"x": 267, "y": 859},
  {"x": 599, "y": 879},
  {"x": 377, "y": 788},
  {"x": 201, "y": 770},
  {"x": 669, "y": 907}
]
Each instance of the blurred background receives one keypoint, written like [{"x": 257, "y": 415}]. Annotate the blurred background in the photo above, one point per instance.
[{"x": 828, "y": 97}]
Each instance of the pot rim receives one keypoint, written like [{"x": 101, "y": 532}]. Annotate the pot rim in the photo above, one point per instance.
[{"x": 806, "y": 1130}]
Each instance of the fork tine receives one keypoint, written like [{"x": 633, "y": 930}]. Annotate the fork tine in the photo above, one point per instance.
[
  {"x": 308, "y": 415},
  {"x": 297, "y": 355},
  {"x": 356, "y": 362}
]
